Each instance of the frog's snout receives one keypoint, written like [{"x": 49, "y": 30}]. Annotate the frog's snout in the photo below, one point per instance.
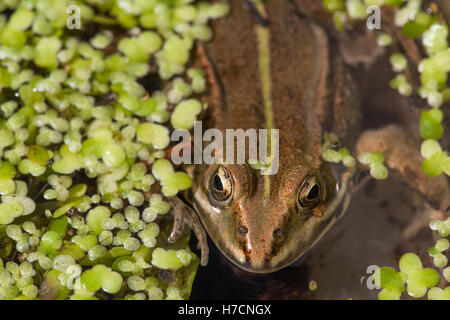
[{"x": 258, "y": 248}]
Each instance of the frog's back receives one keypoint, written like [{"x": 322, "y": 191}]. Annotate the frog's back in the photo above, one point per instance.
[{"x": 300, "y": 103}]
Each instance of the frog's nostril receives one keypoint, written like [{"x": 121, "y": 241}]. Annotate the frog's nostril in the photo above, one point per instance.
[
  {"x": 278, "y": 234},
  {"x": 242, "y": 231}
]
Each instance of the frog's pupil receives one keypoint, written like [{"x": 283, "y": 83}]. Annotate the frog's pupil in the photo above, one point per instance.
[
  {"x": 217, "y": 183},
  {"x": 313, "y": 193}
]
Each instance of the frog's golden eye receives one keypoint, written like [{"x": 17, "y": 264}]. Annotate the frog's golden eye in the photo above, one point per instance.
[
  {"x": 221, "y": 184},
  {"x": 310, "y": 193}
]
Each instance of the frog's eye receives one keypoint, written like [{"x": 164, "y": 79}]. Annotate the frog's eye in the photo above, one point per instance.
[
  {"x": 221, "y": 184},
  {"x": 310, "y": 193}
]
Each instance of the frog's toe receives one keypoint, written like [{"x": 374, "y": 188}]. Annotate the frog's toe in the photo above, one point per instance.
[
  {"x": 199, "y": 231},
  {"x": 205, "y": 254},
  {"x": 183, "y": 214},
  {"x": 178, "y": 226}
]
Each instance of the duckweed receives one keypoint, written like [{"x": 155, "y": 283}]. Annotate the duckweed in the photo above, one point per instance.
[
  {"x": 375, "y": 161},
  {"x": 185, "y": 114},
  {"x": 154, "y": 134},
  {"x": 412, "y": 277},
  {"x": 312, "y": 285},
  {"x": 427, "y": 28},
  {"x": 101, "y": 277},
  {"x": 170, "y": 259},
  {"x": 398, "y": 62},
  {"x": 332, "y": 152},
  {"x": 391, "y": 282},
  {"x": 433, "y": 69},
  {"x": 384, "y": 40},
  {"x": 419, "y": 281},
  {"x": 82, "y": 145},
  {"x": 170, "y": 180}
]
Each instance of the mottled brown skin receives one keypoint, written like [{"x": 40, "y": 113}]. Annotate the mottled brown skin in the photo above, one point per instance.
[
  {"x": 311, "y": 93},
  {"x": 302, "y": 103}
]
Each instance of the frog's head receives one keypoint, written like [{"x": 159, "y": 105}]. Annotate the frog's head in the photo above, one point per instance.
[{"x": 265, "y": 223}]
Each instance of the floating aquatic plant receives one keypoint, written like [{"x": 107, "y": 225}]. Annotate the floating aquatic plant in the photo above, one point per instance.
[
  {"x": 83, "y": 178},
  {"x": 433, "y": 69}
]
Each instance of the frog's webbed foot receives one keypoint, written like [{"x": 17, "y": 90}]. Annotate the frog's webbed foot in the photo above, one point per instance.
[
  {"x": 404, "y": 160},
  {"x": 183, "y": 214}
]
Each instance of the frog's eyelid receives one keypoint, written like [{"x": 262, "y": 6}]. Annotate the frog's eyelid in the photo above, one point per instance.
[
  {"x": 214, "y": 195},
  {"x": 312, "y": 182}
]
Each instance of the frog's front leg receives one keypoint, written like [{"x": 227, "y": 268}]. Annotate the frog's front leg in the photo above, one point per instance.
[
  {"x": 404, "y": 160},
  {"x": 183, "y": 214}
]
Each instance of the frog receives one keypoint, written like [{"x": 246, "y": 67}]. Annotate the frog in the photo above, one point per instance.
[{"x": 271, "y": 66}]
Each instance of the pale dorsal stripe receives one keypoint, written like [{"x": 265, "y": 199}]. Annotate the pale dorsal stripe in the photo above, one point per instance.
[{"x": 263, "y": 37}]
